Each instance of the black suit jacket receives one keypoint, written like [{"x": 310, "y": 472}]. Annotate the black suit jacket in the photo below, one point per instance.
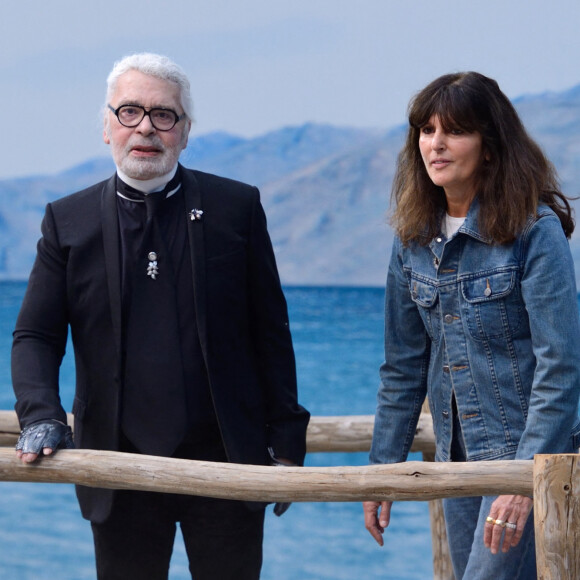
[{"x": 241, "y": 317}]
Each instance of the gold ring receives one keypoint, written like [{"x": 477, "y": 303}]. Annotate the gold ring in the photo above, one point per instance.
[
  {"x": 500, "y": 523},
  {"x": 489, "y": 520}
]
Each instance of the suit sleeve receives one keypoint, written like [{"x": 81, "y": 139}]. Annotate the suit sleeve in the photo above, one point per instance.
[
  {"x": 40, "y": 334},
  {"x": 287, "y": 420}
]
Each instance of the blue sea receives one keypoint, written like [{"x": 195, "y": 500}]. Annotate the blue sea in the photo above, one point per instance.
[{"x": 338, "y": 341}]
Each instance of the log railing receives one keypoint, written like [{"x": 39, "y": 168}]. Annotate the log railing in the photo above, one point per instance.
[
  {"x": 325, "y": 434},
  {"x": 410, "y": 481},
  {"x": 553, "y": 480}
]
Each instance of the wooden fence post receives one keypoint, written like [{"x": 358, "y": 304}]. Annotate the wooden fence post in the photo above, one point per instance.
[
  {"x": 442, "y": 567},
  {"x": 557, "y": 516}
]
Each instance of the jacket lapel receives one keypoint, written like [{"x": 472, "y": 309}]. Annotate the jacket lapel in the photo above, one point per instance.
[
  {"x": 111, "y": 245},
  {"x": 195, "y": 229}
]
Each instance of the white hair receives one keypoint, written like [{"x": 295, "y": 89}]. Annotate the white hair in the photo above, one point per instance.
[{"x": 154, "y": 65}]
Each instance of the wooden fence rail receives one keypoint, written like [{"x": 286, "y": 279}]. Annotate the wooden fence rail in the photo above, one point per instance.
[
  {"x": 325, "y": 434},
  {"x": 553, "y": 480},
  {"x": 410, "y": 481}
]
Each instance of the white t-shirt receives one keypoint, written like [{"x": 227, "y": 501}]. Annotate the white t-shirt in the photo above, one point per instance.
[{"x": 451, "y": 225}]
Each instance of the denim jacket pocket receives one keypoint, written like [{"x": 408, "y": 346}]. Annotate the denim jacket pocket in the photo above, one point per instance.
[
  {"x": 425, "y": 296},
  {"x": 491, "y": 305}
]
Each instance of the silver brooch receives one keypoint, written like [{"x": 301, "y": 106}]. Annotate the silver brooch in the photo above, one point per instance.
[
  {"x": 195, "y": 214},
  {"x": 152, "y": 269}
]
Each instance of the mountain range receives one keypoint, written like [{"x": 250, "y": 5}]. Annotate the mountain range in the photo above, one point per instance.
[{"x": 325, "y": 190}]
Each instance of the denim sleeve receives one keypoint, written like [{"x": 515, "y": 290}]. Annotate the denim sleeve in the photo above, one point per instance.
[
  {"x": 404, "y": 373},
  {"x": 550, "y": 298}
]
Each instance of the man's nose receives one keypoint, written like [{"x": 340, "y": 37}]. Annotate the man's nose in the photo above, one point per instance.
[{"x": 145, "y": 126}]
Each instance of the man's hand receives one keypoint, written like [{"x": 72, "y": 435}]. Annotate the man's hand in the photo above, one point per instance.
[
  {"x": 377, "y": 518},
  {"x": 280, "y": 507},
  {"x": 46, "y": 436}
]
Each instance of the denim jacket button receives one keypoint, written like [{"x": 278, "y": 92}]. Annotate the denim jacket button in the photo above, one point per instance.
[
  {"x": 445, "y": 414},
  {"x": 448, "y": 318},
  {"x": 445, "y": 368}
]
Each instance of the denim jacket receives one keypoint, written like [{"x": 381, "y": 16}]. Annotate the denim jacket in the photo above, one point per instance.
[{"x": 496, "y": 325}]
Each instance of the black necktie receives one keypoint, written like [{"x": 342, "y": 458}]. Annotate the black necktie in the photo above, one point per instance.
[{"x": 154, "y": 415}]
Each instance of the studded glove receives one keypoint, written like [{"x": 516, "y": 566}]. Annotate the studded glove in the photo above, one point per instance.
[{"x": 46, "y": 433}]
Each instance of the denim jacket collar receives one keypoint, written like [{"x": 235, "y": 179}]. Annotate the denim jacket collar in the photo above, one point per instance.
[{"x": 471, "y": 224}]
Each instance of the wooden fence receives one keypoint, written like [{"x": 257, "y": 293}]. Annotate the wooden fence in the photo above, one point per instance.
[{"x": 553, "y": 480}]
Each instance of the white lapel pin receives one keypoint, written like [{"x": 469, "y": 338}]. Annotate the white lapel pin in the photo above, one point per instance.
[{"x": 195, "y": 214}]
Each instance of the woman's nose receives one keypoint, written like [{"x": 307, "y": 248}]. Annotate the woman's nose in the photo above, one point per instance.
[{"x": 438, "y": 142}]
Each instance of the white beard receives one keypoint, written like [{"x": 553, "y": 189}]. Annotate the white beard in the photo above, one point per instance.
[
  {"x": 143, "y": 168},
  {"x": 147, "y": 168}
]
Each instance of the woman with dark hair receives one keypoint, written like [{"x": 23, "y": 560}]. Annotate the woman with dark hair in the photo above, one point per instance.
[{"x": 481, "y": 313}]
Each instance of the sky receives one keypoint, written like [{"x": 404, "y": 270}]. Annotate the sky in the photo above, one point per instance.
[{"x": 260, "y": 65}]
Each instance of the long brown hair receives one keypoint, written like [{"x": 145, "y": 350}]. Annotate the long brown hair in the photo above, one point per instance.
[{"x": 515, "y": 177}]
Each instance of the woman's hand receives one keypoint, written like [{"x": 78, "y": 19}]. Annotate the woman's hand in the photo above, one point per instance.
[
  {"x": 506, "y": 512},
  {"x": 377, "y": 518}
]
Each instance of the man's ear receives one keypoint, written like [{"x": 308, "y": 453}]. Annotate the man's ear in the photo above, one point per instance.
[
  {"x": 106, "y": 128},
  {"x": 185, "y": 137}
]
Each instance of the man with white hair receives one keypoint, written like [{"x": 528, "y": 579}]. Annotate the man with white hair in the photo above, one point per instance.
[{"x": 167, "y": 280}]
